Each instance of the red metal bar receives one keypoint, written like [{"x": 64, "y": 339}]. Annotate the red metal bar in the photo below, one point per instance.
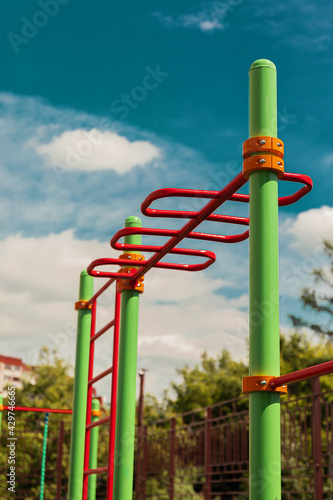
[
  {"x": 304, "y": 374},
  {"x": 89, "y": 400},
  {"x": 100, "y": 376},
  {"x": 304, "y": 179},
  {"x": 113, "y": 405},
  {"x": 101, "y": 421},
  {"x": 100, "y": 291},
  {"x": 101, "y": 331},
  {"x": 98, "y": 470},
  {"x": 42, "y": 410}
]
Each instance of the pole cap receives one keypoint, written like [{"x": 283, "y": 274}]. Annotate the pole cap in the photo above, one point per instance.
[{"x": 263, "y": 63}]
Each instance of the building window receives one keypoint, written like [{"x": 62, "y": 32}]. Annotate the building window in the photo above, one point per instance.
[
  {"x": 16, "y": 368},
  {"x": 8, "y": 367}
]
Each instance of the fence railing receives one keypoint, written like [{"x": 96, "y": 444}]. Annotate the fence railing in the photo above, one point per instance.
[{"x": 205, "y": 453}]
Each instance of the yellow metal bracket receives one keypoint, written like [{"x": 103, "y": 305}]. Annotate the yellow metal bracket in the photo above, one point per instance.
[
  {"x": 82, "y": 304},
  {"x": 263, "y": 153}
]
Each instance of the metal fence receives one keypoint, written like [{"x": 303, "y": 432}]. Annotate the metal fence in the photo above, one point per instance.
[
  {"x": 199, "y": 454},
  {"x": 205, "y": 454}
]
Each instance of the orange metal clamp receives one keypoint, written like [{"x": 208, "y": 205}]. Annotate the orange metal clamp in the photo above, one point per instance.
[
  {"x": 272, "y": 150},
  {"x": 260, "y": 383},
  {"x": 127, "y": 284},
  {"x": 81, "y": 304}
]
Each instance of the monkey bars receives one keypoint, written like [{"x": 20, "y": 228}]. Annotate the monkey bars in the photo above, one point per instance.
[{"x": 263, "y": 166}]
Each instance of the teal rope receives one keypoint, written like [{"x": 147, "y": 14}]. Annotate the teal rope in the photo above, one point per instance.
[{"x": 42, "y": 473}]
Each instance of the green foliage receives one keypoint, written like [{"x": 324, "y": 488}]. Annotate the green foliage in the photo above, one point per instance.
[
  {"x": 50, "y": 386},
  {"x": 319, "y": 300},
  {"x": 217, "y": 379}
]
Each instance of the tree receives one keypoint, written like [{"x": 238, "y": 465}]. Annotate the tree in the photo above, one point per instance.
[
  {"x": 320, "y": 300},
  {"x": 217, "y": 379},
  {"x": 50, "y": 386}
]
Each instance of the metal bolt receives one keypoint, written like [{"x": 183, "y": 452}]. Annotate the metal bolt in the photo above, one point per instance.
[
  {"x": 263, "y": 382},
  {"x": 279, "y": 144},
  {"x": 262, "y": 160},
  {"x": 262, "y": 141},
  {"x": 279, "y": 163}
]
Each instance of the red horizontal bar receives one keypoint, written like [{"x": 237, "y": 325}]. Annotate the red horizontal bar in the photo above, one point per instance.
[
  {"x": 98, "y": 470},
  {"x": 101, "y": 421},
  {"x": 101, "y": 331},
  {"x": 42, "y": 410},
  {"x": 306, "y": 373},
  {"x": 190, "y": 193},
  {"x": 101, "y": 375},
  {"x": 210, "y": 256}
]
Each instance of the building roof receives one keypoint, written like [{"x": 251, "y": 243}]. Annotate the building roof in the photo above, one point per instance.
[{"x": 9, "y": 360}]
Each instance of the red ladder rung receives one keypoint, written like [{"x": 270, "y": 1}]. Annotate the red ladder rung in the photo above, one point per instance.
[
  {"x": 101, "y": 331},
  {"x": 99, "y": 470},
  {"x": 98, "y": 377},
  {"x": 101, "y": 421}
]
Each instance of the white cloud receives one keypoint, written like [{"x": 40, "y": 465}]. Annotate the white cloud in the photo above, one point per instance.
[
  {"x": 310, "y": 228},
  {"x": 96, "y": 150},
  {"x": 207, "y": 18},
  {"x": 180, "y": 315}
]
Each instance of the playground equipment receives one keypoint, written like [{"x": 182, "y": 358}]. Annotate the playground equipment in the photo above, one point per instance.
[
  {"x": 263, "y": 166},
  {"x": 46, "y": 411}
]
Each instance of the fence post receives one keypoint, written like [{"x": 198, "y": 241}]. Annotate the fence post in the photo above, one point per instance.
[
  {"x": 316, "y": 439},
  {"x": 127, "y": 376},
  {"x": 208, "y": 476},
  {"x": 75, "y": 486},
  {"x": 60, "y": 445},
  {"x": 172, "y": 458},
  {"x": 264, "y": 356},
  {"x": 139, "y": 436},
  {"x": 93, "y": 453},
  {"x": 144, "y": 463}
]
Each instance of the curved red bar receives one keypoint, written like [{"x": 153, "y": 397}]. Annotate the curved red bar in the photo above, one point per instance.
[
  {"x": 191, "y": 193},
  {"x": 304, "y": 179},
  {"x": 133, "y": 274}
]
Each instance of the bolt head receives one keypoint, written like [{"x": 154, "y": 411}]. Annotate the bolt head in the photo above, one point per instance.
[
  {"x": 262, "y": 160},
  {"x": 263, "y": 382},
  {"x": 262, "y": 141},
  {"x": 279, "y": 163},
  {"x": 279, "y": 145}
]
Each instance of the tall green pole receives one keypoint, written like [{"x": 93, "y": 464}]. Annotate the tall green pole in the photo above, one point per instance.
[
  {"x": 264, "y": 426},
  {"x": 42, "y": 473},
  {"x": 125, "y": 422},
  {"x": 80, "y": 391},
  {"x": 1, "y": 410},
  {"x": 93, "y": 453}
]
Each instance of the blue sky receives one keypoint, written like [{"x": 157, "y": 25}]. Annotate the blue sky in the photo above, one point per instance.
[{"x": 99, "y": 105}]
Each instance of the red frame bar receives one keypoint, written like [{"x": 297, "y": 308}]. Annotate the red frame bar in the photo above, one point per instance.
[
  {"x": 101, "y": 331},
  {"x": 100, "y": 376},
  {"x": 89, "y": 400},
  {"x": 113, "y": 406},
  {"x": 98, "y": 470},
  {"x": 101, "y": 421},
  {"x": 42, "y": 410},
  {"x": 304, "y": 374}
]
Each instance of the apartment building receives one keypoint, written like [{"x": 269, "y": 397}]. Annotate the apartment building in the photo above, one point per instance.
[{"x": 12, "y": 373}]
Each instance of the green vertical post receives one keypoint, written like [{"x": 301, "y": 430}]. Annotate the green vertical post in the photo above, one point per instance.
[
  {"x": 42, "y": 473},
  {"x": 80, "y": 391},
  {"x": 264, "y": 426},
  {"x": 125, "y": 422},
  {"x": 1, "y": 411},
  {"x": 93, "y": 453}
]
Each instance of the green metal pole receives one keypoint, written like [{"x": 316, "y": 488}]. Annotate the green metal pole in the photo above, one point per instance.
[
  {"x": 93, "y": 454},
  {"x": 80, "y": 391},
  {"x": 125, "y": 422},
  {"x": 264, "y": 426},
  {"x": 42, "y": 474},
  {"x": 1, "y": 411}
]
